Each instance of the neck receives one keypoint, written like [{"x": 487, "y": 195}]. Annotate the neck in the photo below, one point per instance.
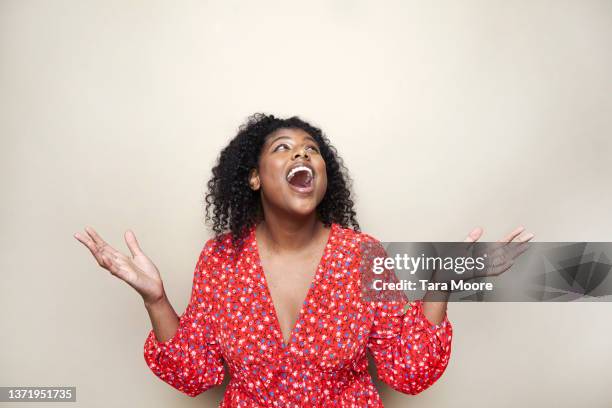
[{"x": 288, "y": 233}]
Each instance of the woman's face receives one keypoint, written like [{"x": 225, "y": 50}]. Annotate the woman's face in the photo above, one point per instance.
[{"x": 291, "y": 176}]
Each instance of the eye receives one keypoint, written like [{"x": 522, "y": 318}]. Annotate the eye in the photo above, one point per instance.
[
  {"x": 313, "y": 148},
  {"x": 284, "y": 145}
]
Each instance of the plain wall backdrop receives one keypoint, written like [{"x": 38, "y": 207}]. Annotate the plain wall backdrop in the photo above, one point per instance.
[{"x": 449, "y": 115}]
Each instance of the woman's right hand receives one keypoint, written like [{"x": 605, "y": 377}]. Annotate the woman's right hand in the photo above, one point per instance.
[{"x": 138, "y": 270}]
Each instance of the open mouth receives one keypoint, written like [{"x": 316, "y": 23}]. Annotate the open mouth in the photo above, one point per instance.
[{"x": 301, "y": 178}]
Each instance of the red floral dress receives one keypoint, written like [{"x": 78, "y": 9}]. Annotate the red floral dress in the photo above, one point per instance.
[{"x": 231, "y": 317}]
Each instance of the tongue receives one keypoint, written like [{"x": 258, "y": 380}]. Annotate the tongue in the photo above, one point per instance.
[{"x": 301, "y": 179}]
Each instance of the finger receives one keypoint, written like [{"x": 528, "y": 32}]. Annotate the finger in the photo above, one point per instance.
[
  {"x": 95, "y": 236},
  {"x": 113, "y": 254},
  {"x": 93, "y": 248},
  {"x": 85, "y": 241},
  {"x": 474, "y": 235},
  {"x": 107, "y": 262},
  {"x": 512, "y": 250},
  {"x": 503, "y": 258},
  {"x": 522, "y": 248},
  {"x": 114, "y": 265},
  {"x": 123, "y": 261},
  {"x": 497, "y": 249},
  {"x": 100, "y": 242},
  {"x": 472, "y": 238},
  {"x": 493, "y": 249},
  {"x": 132, "y": 243},
  {"x": 525, "y": 237},
  {"x": 512, "y": 235},
  {"x": 110, "y": 259}
]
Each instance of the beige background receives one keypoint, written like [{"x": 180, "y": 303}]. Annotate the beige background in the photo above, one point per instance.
[{"x": 448, "y": 115}]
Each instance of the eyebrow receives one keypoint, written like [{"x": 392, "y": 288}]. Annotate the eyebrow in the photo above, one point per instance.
[{"x": 287, "y": 137}]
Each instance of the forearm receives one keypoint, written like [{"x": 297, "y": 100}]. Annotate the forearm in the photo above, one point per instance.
[
  {"x": 434, "y": 305},
  {"x": 164, "y": 319}
]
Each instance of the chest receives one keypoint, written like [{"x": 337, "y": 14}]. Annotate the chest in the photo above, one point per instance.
[
  {"x": 320, "y": 316},
  {"x": 288, "y": 281}
]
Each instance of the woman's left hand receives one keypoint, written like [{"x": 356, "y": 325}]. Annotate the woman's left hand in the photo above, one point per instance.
[{"x": 500, "y": 254}]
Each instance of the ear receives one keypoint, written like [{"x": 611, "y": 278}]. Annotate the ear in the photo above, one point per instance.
[{"x": 254, "y": 182}]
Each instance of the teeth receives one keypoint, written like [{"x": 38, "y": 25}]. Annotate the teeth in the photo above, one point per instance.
[{"x": 296, "y": 169}]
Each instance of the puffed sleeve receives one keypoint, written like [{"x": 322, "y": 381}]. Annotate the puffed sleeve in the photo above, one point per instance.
[
  {"x": 190, "y": 361},
  {"x": 410, "y": 352}
]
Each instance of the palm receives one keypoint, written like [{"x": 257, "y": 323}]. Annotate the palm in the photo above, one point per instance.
[
  {"x": 146, "y": 266},
  {"x": 137, "y": 270},
  {"x": 503, "y": 255}
]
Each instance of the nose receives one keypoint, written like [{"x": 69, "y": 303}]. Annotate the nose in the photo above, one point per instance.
[{"x": 301, "y": 152}]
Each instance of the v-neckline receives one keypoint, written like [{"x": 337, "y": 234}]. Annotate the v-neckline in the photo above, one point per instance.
[{"x": 272, "y": 306}]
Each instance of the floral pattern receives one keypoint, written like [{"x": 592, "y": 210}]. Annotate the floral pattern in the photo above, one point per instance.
[{"x": 231, "y": 318}]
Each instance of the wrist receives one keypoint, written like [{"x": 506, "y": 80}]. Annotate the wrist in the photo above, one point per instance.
[
  {"x": 157, "y": 302},
  {"x": 437, "y": 296}
]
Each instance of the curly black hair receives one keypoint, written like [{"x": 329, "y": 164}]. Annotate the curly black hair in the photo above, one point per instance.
[{"x": 232, "y": 205}]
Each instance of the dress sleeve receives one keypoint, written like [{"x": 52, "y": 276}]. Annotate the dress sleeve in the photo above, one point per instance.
[
  {"x": 410, "y": 352},
  {"x": 190, "y": 361}
]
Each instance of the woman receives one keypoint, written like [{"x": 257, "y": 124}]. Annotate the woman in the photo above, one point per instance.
[{"x": 276, "y": 293}]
